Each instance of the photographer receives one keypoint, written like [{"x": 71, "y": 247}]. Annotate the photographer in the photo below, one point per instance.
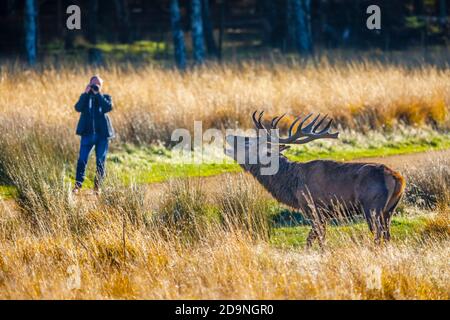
[{"x": 95, "y": 129}]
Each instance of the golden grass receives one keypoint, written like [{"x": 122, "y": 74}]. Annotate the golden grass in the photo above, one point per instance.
[
  {"x": 429, "y": 184},
  {"x": 56, "y": 246},
  {"x": 223, "y": 265},
  {"x": 151, "y": 101},
  {"x": 118, "y": 247}
]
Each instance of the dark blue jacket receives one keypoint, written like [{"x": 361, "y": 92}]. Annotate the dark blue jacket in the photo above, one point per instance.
[{"x": 94, "y": 119}]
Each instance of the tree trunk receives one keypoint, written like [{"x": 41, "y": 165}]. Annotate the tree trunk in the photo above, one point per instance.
[
  {"x": 95, "y": 55},
  {"x": 69, "y": 39},
  {"x": 178, "y": 36},
  {"x": 208, "y": 30},
  {"x": 59, "y": 18},
  {"x": 123, "y": 16},
  {"x": 31, "y": 31},
  {"x": 273, "y": 31},
  {"x": 301, "y": 11},
  {"x": 290, "y": 26},
  {"x": 443, "y": 15},
  {"x": 197, "y": 31},
  {"x": 221, "y": 26}
]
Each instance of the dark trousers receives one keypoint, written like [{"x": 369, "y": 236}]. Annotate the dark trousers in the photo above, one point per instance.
[{"x": 101, "y": 149}]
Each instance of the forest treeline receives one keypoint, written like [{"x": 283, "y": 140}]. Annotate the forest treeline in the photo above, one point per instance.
[{"x": 31, "y": 29}]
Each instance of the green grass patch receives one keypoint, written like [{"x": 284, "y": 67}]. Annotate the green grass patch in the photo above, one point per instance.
[
  {"x": 158, "y": 172},
  {"x": 7, "y": 192},
  {"x": 149, "y": 164},
  {"x": 143, "y": 49},
  {"x": 402, "y": 228},
  {"x": 348, "y": 151}
]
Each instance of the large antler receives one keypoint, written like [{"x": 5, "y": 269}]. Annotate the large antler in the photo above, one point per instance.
[{"x": 308, "y": 133}]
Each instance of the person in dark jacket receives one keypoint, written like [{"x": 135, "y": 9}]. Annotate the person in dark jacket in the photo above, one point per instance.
[{"x": 95, "y": 130}]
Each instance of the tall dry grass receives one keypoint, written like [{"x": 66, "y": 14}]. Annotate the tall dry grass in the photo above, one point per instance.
[
  {"x": 244, "y": 205},
  {"x": 113, "y": 260},
  {"x": 151, "y": 101},
  {"x": 184, "y": 243},
  {"x": 429, "y": 184},
  {"x": 132, "y": 244}
]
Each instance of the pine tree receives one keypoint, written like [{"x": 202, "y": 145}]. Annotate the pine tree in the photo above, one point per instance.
[
  {"x": 208, "y": 30},
  {"x": 197, "y": 31},
  {"x": 31, "y": 31},
  {"x": 301, "y": 12},
  {"x": 95, "y": 55},
  {"x": 178, "y": 36}
]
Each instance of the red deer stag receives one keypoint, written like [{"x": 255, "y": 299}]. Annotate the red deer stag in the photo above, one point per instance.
[{"x": 314, "y": 187}]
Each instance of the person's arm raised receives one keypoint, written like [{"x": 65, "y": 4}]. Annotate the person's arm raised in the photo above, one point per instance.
[
  {"x": 106, "y": 102},
  {"x": 82, "y": 103}
]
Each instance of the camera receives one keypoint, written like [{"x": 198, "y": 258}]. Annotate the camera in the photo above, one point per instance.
[{"x": 95, "y": 88}]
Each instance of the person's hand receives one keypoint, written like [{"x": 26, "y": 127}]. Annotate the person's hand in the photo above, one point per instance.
[{"x": 95, "y": 82}]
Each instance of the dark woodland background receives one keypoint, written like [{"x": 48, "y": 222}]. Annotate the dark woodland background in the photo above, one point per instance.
[{"x": 192, "y": 31}]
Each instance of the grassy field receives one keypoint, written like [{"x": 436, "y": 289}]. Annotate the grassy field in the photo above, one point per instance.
[
  {"x": 150, "y": 101},
  {"x": 231, "y": 244},
  {"x": 228, "y": 238},
  {"x": 155, "y": 163}
]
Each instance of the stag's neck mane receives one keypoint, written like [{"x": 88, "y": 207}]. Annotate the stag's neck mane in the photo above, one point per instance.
[{"x": 281, "y": 185}]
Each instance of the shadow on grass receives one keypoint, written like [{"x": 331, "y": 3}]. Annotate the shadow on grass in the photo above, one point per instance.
[{"x": 291, "y": 218}]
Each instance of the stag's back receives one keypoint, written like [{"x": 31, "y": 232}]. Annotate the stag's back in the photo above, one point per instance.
[{"x": 325, "y": 181}]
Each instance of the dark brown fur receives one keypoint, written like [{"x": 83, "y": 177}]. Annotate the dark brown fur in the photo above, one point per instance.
[{"x": 315, "y": 187}]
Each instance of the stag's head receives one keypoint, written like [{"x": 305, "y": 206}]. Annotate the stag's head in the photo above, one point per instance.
[{"x": 248, "y": 149}]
